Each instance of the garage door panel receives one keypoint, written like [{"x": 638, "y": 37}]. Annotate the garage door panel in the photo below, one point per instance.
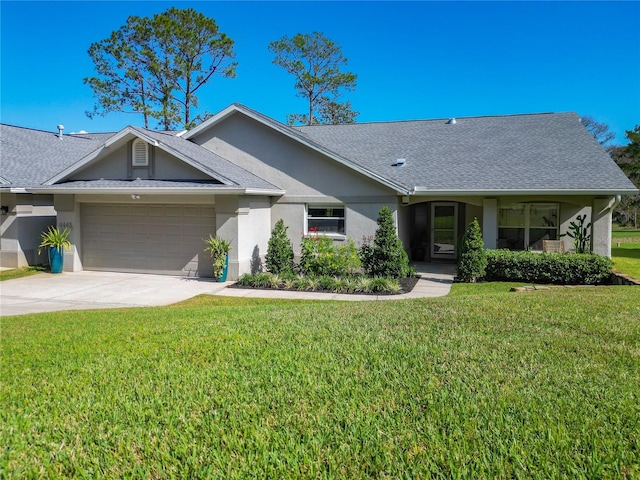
[{"x": 163, "y": 239}]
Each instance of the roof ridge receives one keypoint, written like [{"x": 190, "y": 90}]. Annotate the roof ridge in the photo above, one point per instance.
[{"x": 422, "y": 120}]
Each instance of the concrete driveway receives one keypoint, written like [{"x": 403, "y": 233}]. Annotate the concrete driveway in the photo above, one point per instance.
[{"x": 46, "y": 292}]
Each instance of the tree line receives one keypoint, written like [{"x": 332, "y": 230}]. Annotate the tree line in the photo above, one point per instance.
[
  {"x": 627, "y": 157},
  {"x": 155, "y": 67}
]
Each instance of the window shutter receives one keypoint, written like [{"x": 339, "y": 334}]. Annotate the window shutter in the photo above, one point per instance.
[{"x": 140, "y": 157}]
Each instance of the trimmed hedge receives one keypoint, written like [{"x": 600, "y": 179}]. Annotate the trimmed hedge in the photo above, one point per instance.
[{"x": 558, "y": 268}]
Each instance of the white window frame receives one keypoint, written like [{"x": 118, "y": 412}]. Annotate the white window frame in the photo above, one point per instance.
[
  {"x": 336, "y": 235},
  {"x": 527, "y": 220},
  {"x": 136, "y": 157}
]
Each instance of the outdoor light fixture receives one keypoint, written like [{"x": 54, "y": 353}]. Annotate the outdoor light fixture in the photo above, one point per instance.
[
  {"x": 4, "y": 209},
  {"x": 135, "y": 197}
]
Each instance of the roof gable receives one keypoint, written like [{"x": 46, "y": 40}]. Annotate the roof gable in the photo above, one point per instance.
[
  {"x": 293, "y": 134},
  {"x": 207, "y": 163}
]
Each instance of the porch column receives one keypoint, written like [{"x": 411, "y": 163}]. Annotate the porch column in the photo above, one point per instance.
[
  {"x": 490, "y": 223},
  {"x": 227, "y": 210},
  {"x": 601, "y": 225},
  {"x": 68, "y": 211}
]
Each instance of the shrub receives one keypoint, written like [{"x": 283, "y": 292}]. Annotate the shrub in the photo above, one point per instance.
[
  {"x": 565, "y": 269},
  {"x": 302, "y": 283},
  {"x": 472, "y": 259},
  {"x": 325, "y": 282},
  {"x": 279, "y": 257},
  {"x": 385, "y": 255},
  {"x": 339, "y": 285},
  {"x": 265, "y": 280},
  {"x": 379, "y": 284},
  {"x": 246, "y": 280},
  {"x": 319, "y": 256}
]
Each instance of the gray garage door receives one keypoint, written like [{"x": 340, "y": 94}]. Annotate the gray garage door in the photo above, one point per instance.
[{"x": 160, "y": 239}]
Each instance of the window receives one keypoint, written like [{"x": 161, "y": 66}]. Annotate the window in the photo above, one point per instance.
[
  {"x": 524, "y": 226},
  {"x": 325, "y": 219},
  {"x": 140, "y": 153}
]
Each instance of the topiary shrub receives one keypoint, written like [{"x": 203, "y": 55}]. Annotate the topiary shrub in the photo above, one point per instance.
[
  {"x": 472, "y": 258},
  {"x": 558, "y": 268},
  {"x": 279, "y": 257},
  {"x": 385, "y": 255}
]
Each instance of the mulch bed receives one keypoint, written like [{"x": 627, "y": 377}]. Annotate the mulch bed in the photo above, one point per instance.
[{"x": 407, "y": 285}]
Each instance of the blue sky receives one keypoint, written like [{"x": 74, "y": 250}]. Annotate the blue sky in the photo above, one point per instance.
[{"x": 414, "y": 60}]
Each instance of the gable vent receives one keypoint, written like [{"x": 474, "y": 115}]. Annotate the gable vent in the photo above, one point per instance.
[{"x": 140, "y": 154}]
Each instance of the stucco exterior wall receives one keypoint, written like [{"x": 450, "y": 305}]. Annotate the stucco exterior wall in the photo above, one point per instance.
[
  {"x": 117, "y": 166},
  {"x": 601, "y": 225},
  {"x": 284, "y": 162},
  {"x": 360, "y": 217},
  {"x": 308, "y": 177},
  {"x": 20, "y": 228},
  {"x": 168, "y": 167},
  {"x": 254, "y": 229},
  {"x": 112, "y": 166}
]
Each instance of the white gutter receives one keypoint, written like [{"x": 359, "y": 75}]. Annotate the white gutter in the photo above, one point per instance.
[
  {"x": 458, "y": 193},
  {"x": 155, "y": 191}
]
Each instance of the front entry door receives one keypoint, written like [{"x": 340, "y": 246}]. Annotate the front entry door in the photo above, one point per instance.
[{"x": 444, "y": 230}]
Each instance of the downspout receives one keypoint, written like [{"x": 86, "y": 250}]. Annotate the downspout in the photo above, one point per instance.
[{"x": 615, "y": 203}]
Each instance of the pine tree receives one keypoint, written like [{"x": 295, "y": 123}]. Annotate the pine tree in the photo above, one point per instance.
[
  {"x": 386, "y": 257},
  {"x": 279, "y": 257},
  {"x": 472, "y": 259}
]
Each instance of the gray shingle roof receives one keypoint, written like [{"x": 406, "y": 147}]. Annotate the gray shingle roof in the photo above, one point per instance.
[
  {"x": 538, "y": 152},
  {"x": 502, "y": 153},
  {"x": 30, "y": 157}
]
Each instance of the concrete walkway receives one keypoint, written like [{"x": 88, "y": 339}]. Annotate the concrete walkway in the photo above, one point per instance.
[{"x": 46, "y": 292}]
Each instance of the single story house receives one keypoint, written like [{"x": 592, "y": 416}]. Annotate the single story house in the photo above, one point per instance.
[{"x": 140, "y": 200}]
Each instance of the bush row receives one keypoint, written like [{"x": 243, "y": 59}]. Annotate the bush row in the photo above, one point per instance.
[
  {"x": 380, "y": 256},
  {"x": 324, "y": 283},
  {"x": 558, "y": 268},
  {"x": 320, "y": 257}
]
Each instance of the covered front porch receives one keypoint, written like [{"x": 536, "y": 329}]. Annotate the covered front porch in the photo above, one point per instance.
[{"x": 433, "y": 227}]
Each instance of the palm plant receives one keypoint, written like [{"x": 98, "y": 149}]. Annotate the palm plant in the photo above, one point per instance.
[
  {"x": 217, "y": 248},
  {"x": 55, "y": 238},
  {"x": 56, "y": 241}
]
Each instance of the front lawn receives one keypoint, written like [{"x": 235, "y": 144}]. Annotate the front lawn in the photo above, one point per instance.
[
  {"x": 626, "y": 258},
  {"x": 534, "y": 384},
  {"x": 21, "y": 272},
  {"x": 625, "y": 232}
]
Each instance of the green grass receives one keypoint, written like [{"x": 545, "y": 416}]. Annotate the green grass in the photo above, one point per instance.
[
  {"x": 625, "y": 232},
  {"x": 21, "y": 272},
  {"x": 626, "y": 258},
  {"x": 521, "y": 385}
]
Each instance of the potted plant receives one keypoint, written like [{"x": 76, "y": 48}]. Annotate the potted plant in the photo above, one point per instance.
[
  {"x": 218, "y": 249},
  {"x": 56, "y": 241}
]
